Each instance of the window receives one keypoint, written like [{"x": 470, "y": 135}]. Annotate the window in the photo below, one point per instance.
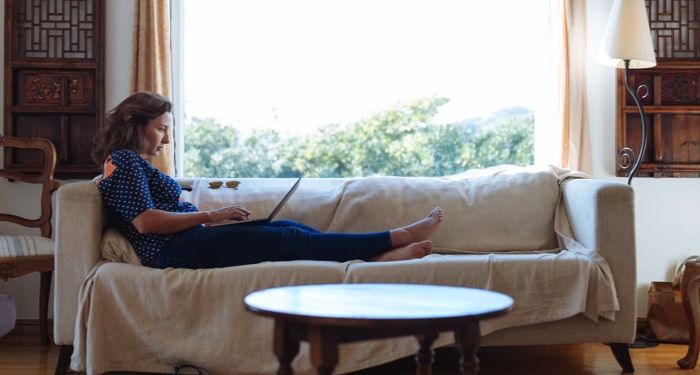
[{"x": 276, "y": 88}]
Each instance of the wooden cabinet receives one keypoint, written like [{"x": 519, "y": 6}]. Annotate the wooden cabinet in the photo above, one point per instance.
[
  {"x": 670, "y": 94},
  {"x": 54, "y": 80}
]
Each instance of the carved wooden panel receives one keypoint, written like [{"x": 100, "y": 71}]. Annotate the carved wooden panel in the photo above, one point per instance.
[
  {"x": 680, "y": 89},
  {"x": 55, "y": 29},
  {"x": 675, "y": 28},
  {"x": 54, "y": 86}
]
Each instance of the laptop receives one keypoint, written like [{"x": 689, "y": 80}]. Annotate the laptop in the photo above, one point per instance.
[{"x": 274, "y": 212}]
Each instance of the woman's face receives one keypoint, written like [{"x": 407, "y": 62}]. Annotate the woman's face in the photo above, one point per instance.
[{"x": 155, "y": 134}]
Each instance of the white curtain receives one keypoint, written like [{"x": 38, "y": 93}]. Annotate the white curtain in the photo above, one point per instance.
[
  {"x": 562, "y": 127},
  {"x": 151, "y": 62}
]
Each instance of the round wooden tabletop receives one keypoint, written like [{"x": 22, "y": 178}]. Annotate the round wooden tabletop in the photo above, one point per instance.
[{"x": 348, "y": 304}]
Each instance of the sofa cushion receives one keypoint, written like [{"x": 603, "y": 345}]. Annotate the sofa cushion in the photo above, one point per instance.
[
  {"x": 116, "y": 248},
  {"x": 508, "y": 209},
  {"x": 545, "y": 287}
]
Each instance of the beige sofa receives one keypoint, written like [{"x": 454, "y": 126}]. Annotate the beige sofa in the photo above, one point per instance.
[{"x": 562, "y": 247}]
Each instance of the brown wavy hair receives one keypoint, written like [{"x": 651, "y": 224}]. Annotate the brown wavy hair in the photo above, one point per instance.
[{"x": 120, "y": 129}]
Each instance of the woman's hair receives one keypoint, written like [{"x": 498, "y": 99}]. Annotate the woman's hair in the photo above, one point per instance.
[{"x": 121, "y": 124}]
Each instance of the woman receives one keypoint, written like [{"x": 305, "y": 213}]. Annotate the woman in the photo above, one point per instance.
[{"x": 145, "y": 206}]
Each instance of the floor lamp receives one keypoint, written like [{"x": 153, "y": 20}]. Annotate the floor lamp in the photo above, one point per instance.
[{"x": 627, "y": 44}]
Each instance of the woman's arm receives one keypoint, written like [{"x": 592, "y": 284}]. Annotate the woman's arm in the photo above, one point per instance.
[{"x": 155, "y": 221}]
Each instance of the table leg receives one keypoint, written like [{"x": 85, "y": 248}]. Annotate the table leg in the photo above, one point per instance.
[
  {"x": 285, "y": 348},
  {"x": 424, "y": 356},
  {"x": 323, "y": 348},
  {"x": 690, "y": 292},
  {"x": 467, "y": 340}
]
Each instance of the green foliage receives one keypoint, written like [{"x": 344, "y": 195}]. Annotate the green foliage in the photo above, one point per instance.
[{"x": 401, "y": 141}]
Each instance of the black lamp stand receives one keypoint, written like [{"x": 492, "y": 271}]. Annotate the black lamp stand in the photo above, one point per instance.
[{"x": 643, "y": 147}]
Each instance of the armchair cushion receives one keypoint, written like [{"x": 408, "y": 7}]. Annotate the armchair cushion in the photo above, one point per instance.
[{"x": 14, "y": 246}]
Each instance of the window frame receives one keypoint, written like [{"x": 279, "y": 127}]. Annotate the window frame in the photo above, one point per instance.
[{"x": 177, "y": 31}]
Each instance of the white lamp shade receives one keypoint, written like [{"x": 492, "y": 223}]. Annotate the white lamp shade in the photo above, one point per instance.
[{"x": 627, "y": 37}]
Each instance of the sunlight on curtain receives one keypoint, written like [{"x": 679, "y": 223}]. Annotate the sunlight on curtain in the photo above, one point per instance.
[
  {"x": 151, "y": 62},
  {"x": 576, "y": 148},
  {"x": 562, "y": 135}
]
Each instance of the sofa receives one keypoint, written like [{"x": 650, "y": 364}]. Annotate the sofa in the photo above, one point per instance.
[{"x": 562, "y": 245}]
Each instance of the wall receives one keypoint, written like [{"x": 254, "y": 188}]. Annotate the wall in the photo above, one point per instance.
[
  {"x": 666, "y": 209},
  {"x": 17, "y": 198}
]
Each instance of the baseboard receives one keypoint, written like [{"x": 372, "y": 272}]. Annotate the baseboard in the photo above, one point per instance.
[{"x": 29, "y": 327}]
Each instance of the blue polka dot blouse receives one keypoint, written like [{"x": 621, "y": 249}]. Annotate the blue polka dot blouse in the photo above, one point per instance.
[{"x": 134, "y": 187}]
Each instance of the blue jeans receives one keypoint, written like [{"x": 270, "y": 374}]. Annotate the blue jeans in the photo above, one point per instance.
[{"x": 235, "y": 245}]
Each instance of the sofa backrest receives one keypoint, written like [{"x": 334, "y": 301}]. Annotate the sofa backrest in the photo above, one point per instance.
[{"x": 493, "y": 210}]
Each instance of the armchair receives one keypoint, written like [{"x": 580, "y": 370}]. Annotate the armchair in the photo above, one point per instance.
[{"x": 23, "y": 254}]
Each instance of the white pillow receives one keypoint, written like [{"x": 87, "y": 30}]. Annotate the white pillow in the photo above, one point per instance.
[{"x": 116, "y": 248}]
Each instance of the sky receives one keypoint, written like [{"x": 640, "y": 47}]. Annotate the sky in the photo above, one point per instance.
[{"x": 300, "y": 64}]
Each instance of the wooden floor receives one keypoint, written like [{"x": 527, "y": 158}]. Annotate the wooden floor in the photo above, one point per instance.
[{"x": 22, "y": 355}]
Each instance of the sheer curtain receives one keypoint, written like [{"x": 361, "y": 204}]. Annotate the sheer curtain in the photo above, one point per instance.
[
  {"x": 562, "y": 135},
  {"x": 151, "y": 62},
  {"x": 569, "y": 17}
]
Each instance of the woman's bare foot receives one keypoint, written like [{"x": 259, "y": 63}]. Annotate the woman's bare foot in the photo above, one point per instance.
[
  {"x": 410, "y": 251},
  {"x": 419, "y": 231}
]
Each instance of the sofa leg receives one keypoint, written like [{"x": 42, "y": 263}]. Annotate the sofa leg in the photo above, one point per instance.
[
  {"x": 622, "y": 355},
  {"x": 64, "y": 359}
]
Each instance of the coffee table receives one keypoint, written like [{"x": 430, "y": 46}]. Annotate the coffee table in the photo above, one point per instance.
[{"x": 330, "y": 314}]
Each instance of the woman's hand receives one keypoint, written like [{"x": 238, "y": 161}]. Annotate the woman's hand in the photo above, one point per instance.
[
  {"x": 156, "y": 221},
  {"x": 236, "y": 212}
]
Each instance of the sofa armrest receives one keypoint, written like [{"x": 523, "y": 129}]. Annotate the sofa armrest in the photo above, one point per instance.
[
  {"x": 79, "y": 223},
  {"x": 601, "y": 214}
]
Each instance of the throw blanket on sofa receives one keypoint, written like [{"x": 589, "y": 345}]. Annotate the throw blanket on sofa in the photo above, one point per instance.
[{"x": 510, "y": 222}]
